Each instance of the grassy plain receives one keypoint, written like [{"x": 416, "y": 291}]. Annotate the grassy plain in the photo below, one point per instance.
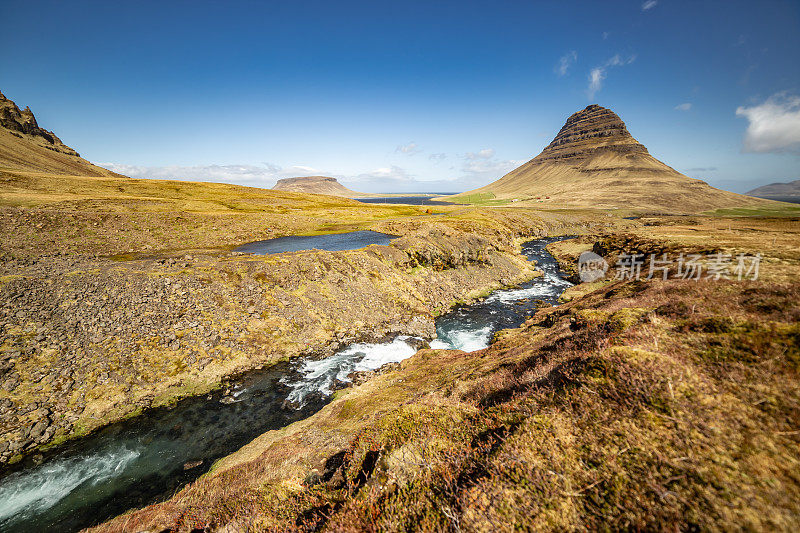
[
  {"x": 115, "y": 215},
  {"x": 117, "y": 295}
]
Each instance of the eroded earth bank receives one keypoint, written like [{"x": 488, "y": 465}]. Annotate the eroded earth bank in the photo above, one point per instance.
[{"x": 88, "y": 340}]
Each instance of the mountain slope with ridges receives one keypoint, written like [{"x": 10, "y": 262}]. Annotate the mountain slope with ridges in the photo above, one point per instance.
[{"x": 595, "y": 162}]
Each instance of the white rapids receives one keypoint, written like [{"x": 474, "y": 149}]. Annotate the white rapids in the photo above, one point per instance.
[
  {"x": 321, "y": 375},
  {"x": 29, "y": 492},
  {"x": 468, "y": 339}
]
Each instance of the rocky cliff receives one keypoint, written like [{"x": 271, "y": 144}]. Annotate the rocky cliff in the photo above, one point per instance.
[
  {"x": 589, "y": 131},
  {"x": 24, "y": 145},
  {"x": 595, "y": 162},
  {"x": 23, "y": 121}
]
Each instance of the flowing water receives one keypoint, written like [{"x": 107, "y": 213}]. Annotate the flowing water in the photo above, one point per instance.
[{"x": 145, "y": 459}]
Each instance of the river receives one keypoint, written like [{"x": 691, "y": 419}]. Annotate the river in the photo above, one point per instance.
[{"x": 146, "y": 459}]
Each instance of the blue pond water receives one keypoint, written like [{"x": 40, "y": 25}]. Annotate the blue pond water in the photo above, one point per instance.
[
  {"x": 334, "y": 242},
  {"x": 410, "y": 200}
]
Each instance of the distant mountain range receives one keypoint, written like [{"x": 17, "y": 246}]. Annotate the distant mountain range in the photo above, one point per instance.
[
  {"x": 788, "y": 192},
  {"x": 595, "y": 162}
]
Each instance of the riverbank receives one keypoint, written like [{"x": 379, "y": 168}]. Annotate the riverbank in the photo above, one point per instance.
[
  {"x": 635, "y": 404},
  {"x": 88, "y": 341},
  {"x": 132, "y": 463}
]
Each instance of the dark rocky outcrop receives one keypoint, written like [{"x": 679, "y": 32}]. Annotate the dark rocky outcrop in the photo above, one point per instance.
[
  {"x": 594, "y": 128},
  {"x": 23, "y": 121}
]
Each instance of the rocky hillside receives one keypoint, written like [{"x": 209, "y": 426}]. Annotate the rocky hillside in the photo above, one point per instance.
[
  {"x": 26, "y": 146},
  {"x": 595, "y": 162},
  {"x": 316, "y": 185},
  {"x": 778, "y": 190},
  {"x": 23, "y": 121},
  {"x": 591, "y": 130}
]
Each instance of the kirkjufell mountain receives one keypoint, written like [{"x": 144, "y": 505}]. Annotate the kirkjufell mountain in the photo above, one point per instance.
[
  {"x": 24, "y": 145},
  {"x": 595, "y": 162}
]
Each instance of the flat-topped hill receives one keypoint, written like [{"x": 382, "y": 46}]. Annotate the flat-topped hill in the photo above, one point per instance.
[{"x": 316, "y": 185}]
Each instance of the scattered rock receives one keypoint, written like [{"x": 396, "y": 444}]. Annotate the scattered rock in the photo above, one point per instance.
[{"x": 191, "y": 464}]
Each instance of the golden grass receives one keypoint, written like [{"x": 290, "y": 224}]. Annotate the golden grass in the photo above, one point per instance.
[
  {"x": 31, "y": 153},
  {"x": 632, "y": 183},
  {"x": 82, "y": 214}
]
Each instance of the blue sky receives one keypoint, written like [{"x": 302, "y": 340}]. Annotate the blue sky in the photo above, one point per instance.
[{"x": 409, "y": 96}]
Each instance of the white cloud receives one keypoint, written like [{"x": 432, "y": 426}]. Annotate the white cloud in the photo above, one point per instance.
[
  {"x": 482, "y": 167},
  {"x": 598, "y": 74},
  {"x": 397, "y": 180},
  {"x": 596, "y": 77},
  {"x": 683, "y": 107},
  {"x": 437, "y": 157},
  {"x": 486, "y": 153},
  {"x": 384, "y": 173},
  {"x": 408, "y": 149},
  {"x": 255, "y": 175},
  {"x": 617, "y": 61},
  {"x": 493, "y": 169},
  {"x": 565, "y": 62},
  {"x": 774, "y": 125},
  {"x": 477, "y": 169},
  {"x": 649, "y": 4},
  {"x": 606, "y": 34}
]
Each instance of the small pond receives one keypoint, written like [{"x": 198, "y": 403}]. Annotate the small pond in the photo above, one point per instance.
[
  {"x": 409, "y": 200},
  {"x": 333, "y": 242}
]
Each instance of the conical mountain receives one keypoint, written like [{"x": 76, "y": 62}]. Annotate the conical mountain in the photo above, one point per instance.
[{"x": 595, "y": 162}]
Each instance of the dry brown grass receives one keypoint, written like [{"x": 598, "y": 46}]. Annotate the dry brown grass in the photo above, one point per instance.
[
  {"x": 27, "y": 152},
  {"x": 608, "y": 180},
  {"x": 79, "y": 214}
]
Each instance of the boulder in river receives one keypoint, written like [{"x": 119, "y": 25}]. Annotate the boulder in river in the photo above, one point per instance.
[{"x": 191, "y": 464}]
